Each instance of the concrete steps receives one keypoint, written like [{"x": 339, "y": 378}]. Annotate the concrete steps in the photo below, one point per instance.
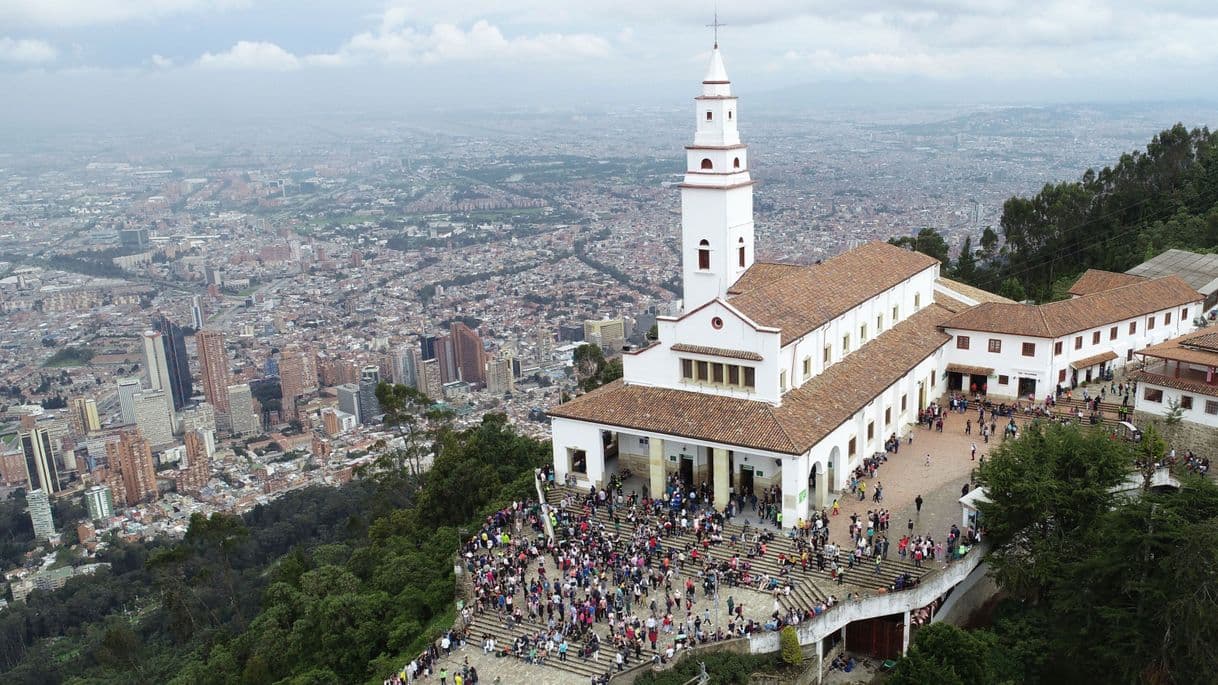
[{"x": 493, "y": 624}]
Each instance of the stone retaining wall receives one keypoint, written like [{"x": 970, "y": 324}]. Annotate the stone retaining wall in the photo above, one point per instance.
[{"x": 1183, "y": 436}]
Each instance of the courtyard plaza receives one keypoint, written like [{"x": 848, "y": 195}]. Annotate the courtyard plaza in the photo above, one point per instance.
[{"x": 905, "y": 476}]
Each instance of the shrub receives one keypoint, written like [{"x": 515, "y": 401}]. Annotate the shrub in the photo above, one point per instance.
[{"x": 789, "y": 641}]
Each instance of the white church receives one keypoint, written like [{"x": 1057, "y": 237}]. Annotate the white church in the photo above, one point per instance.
[{"x": 790, "y": 375}]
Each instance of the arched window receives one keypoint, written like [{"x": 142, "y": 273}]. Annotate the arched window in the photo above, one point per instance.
[
  {"x": 740, "y": 252},
  {"x": 704, "y": 255},
  {"x": 706, "y": 164},
  {"x": 736, "y": 163}
]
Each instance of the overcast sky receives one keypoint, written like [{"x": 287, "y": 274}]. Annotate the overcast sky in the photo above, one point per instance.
[{"x": 98, "y": 57}]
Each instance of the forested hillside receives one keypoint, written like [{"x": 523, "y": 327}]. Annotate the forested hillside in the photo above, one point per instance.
[
  {"x": 325, "y": 585},
  {"x": 1149, "y": 201}
]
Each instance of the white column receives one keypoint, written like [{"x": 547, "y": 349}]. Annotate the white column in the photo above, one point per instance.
[
  {"x": 822, "y": 486},
  {"x": 655, "y": 464},
  {"x": 721, "y": 478},
  {"x": 794, "y": 483},
  {"x": 905, "y": 635},
  {"x": 820, "y": 660}
]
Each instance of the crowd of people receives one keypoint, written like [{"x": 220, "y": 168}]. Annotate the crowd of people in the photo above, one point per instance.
[{"x": 618, "y": 584}]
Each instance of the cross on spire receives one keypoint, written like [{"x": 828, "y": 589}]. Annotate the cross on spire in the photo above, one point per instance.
[{"x": 715, "y": 27}]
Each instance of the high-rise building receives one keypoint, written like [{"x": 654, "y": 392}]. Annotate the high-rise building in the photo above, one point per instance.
[
  {"x": 470, "y": 356},
  {"x": 243, "y": 419},
  {"x": 405, "y": 365},
  {"x": 156, "y": 365},
  {"x": 174, "y": 342},
  {"x": 609, "y": 334},
  {"x": 545, "y": 344},
  {"x": 213, "y": 371},
  {"x": 196, "y": 312},
  {"x": 199, "y": 417},
  {"x": 84, "y": 410},
  {"x": 499, "y": 380},
  {"x": 40, "y": 514},
  {"x": 330, "y": 422},
  {"x": 369, "y": 407},
  {"x": 349, "y": 400},
  {"x": 131, "y": 458},
  {"x": 41, "y": 471},
  {"x": 197, "y": 471},
  {"x": 99, "y": 501},
  {"x": 153, "y": 417},
  {"x": 127, "y": 387},
  {"x": 297, "y": 377},
  {"x": 427, "y": 347},
  {"x": 430, "y": 382},
  {"x": 447, "y": 356}
]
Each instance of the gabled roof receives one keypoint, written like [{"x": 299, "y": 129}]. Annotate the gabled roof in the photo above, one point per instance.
[
  {"x": 1096, "y": 280},
  {"x": 807, "y": 414},
  {"x": 801, "y": 299},
  {"x": 971, "y": 292},
  {"x": 761, "y": 273},
  {"x": 1055, "y": 319}
]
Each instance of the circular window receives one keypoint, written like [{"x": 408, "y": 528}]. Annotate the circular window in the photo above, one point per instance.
[{"x": 717, "y": 323}]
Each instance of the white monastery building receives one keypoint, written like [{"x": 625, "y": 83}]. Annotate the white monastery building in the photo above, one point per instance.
[{"x": 788, "y": 375}]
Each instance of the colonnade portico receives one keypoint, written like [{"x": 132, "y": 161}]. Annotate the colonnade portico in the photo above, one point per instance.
[{"x": 591, "y": 454}]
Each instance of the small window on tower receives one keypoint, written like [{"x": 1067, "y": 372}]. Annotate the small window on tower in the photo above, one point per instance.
[
  {"x": 740, "y": 252},
  {"x": 709, "y": 116},
  {"x": 704, "y": 255},
  {"x": 706, "y": 164},
  {"x": 729, "y": 114},
  {"x": 736, "y": 163}
]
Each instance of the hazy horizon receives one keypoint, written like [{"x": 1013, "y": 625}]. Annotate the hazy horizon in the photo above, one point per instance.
[{"x": 77, "y": 64}]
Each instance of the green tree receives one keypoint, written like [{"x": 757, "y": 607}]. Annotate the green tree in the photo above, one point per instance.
[
  {"x": 943, "y": 653},
  {"x": 1012, "y": 289},
  {"x": 966, "y": 263},
  {"x": 1044, "y": 489},
  {"x": 928, "y": 242}
]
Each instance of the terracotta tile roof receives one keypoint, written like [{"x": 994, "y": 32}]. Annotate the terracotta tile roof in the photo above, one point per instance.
[
  {"x": 951, "y": 304},
  {"x": 1096, "y": 280},
  {"x": 1093, "y": 360},
  {"x": 1190, "y": 384},
  {"x": 969, "y": 291},
  {"x": 807, "y": 414},
  {"x": 808, "y": 297},
  {"x": 1199, "y": 347},
  {"x": 761, "y": 273},
  {"x": 717, "y": 352},
  {"x": 1056, "y": 319}
]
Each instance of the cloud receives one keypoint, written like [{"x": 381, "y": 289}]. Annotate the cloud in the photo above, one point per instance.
[
  {"x": 161, "y": 62},
  {"x": 251, "y": 55},
  {"x": 75, "y": 13},
  {"x": 26, "y": 51},
  {"x": 395, "y": 42}
]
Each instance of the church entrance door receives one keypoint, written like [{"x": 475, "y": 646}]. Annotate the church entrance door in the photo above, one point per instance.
[
  {"x": 746, "y": 480},
  {"x": 687, "y": 471}
]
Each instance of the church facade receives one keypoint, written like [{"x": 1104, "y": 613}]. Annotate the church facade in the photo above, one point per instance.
[{"x": 773, "y": 374}]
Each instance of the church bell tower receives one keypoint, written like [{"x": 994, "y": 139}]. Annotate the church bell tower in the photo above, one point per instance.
[{"x": 716, "y": 195}]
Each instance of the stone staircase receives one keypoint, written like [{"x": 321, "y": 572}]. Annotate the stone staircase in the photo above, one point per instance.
[
  {"x": 505, "y": 632},
  {"x": 1108, "y": 410},
  {"x": 809, "y": 588}
]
